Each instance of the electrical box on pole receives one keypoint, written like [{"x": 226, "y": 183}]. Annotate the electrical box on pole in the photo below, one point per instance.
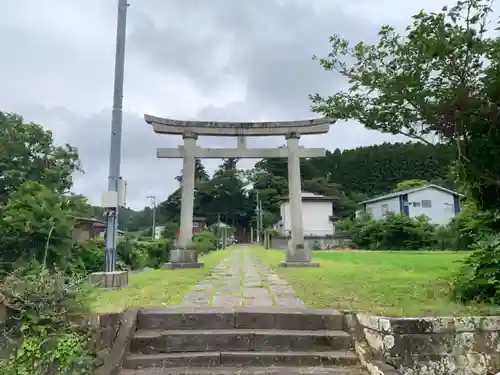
[
  {"x": 114, "y": 199},
  {"x": 122, "y": 192}
]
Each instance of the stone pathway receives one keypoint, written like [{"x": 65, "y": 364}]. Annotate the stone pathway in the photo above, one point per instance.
[{"x": 242, "y": 280}]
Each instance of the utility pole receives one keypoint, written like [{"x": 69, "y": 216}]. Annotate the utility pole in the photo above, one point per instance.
[
  {"x": 153, "y": 203},
  {"x": 116, "y": 138},
  {"x": 260, "y": 217},
  {"x": 257, "y": 211},
  {"x": 219, "y": 243}
]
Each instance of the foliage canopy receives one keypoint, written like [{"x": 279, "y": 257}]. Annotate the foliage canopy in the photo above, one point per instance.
[{"x": 437, "y": 82}]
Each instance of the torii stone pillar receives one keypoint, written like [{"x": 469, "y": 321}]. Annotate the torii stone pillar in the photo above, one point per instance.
[
  {"x": 183, "y": 256},
  {"x": 187, "y": 190},
  {"x": 297, "y": 254}
]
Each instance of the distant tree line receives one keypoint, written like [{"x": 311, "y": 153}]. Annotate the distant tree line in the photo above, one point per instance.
[{"x": 351, "y": 175}]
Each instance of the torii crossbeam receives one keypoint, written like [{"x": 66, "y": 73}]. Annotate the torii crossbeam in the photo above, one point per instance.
[{"x": 297, "y": 254}]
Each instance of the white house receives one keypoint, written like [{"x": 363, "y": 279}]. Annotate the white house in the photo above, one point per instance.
[
  {"x": 436, "y": 202},
  {"x": 317, "y": 215},
  {"x": 159, "y": 232}
]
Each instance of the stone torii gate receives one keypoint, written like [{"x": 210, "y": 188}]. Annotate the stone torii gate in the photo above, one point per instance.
[{"x": 297, "y": 254}]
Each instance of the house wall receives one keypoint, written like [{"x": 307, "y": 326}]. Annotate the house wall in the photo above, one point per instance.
[
  {"x": 84, "y": 232},
  {"x": 316, "y": 218},
  {"x": 442, "y": 208},
  {"x": 375, "y": 208},
  {"x": 443, "y": 205},
  {"x": 285, "y": 218}
]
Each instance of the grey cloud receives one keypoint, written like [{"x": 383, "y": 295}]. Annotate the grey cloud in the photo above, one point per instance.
[
  {"x": 264, "y": 45},
  {"x": 144, "y": 173},
  {"x": 268, "y": 44}
]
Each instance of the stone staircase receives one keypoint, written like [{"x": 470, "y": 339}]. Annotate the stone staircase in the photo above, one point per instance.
[{"x": 213, "y": 341}]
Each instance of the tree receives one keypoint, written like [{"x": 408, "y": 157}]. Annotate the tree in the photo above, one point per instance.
[
  {"x": 225, "y": 196},
  {"x": 200, "y": 173},
  {"x": 410, "y": 184},
  {"x": 36, "y": 225},
  {"x": 28, "y": 152},
  {"x": 439, "y": 82}
]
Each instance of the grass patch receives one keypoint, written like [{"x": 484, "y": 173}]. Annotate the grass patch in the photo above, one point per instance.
[
  {"x": 399, "y": 283},
  {"x": 155, "y": 288}
]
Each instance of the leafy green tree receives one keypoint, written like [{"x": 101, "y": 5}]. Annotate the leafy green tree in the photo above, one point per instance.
[
  {"x": 410, "y": 184},
  {"x": 28, "y": 152},
  {"x": 200, "y": 173},
  {"x": 224, "y": 195},
  {"x": 36, "y": 225},
  {"x": 439, "y": 81},
  {"x": 352, "y": 175}
]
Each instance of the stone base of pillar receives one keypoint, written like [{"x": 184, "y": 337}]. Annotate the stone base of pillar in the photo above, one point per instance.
[
  {"x": 109, "y": 280},
  {"x": 183, "y": 258},
  {"x": 298, "y": 254},
  {"x": 285, "y": 264},
  {"x": 173, "y": 266}
]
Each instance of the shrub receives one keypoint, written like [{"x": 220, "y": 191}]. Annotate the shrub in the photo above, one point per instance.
[
  {"x": 133, "y": 254},
  {"x": 158, "y": 252},
  {"x": 394, "y": 232},
  {"x": 206, "y": 236},
  {"x": 46, "y": 312},
  {"x": 170, "y": 231},
  {"x": 479, "y": 278},
  {"x": 204, "y": 242},
  {"x": 446, "y": 238},
  {"x": 470, "y": 225},
  {"x": 36, "y": 226},
  {"x": 88, "y": 256},
  {"x": 202, "y": 247},
  {"x": 273, "y": 232}
]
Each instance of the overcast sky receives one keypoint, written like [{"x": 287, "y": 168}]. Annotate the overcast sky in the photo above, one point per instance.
[{"x": 245, "y": 60}]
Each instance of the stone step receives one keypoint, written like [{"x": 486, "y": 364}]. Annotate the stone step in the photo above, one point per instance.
[
  {"x": 245, "y": 318},
  {"x": 210, "y": 359},
  {"x": 169, "y": 341},
  {"x": 271, "y": 370}
]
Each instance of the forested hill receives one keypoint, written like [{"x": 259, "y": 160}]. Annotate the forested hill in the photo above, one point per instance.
[
  {"x": 352, "y": 175},
  {"x": 375, "y": 170}
]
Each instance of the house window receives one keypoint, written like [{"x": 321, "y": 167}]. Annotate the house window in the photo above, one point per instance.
[
  {"x": 385, "y": 209},
  {"x": 426, "y": 203}
]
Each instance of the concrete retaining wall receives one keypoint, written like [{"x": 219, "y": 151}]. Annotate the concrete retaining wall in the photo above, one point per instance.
[
  {"x": 106, "y": 327},
  {"x": 433, "y": 346}
]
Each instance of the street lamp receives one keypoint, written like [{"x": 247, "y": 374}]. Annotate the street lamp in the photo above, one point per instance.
[{"x": 153, "y": 203}]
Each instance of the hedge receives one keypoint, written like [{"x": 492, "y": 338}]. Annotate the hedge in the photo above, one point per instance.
[{"x": 131, "y": 254}]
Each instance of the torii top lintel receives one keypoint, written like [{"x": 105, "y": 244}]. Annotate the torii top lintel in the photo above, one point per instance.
[{"x": 239, "y": 129}]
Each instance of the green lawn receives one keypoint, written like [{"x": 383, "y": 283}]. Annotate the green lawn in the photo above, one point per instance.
[
  {"x": 399, "y": 283},
  {"x": 155, "y": 288}
]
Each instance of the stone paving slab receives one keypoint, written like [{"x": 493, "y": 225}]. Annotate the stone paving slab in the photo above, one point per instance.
[{"x": 242, "y": 280}]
